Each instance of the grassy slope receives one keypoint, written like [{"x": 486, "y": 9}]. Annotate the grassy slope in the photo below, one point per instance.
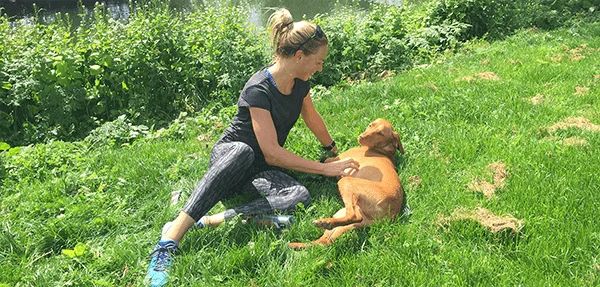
[{"x": 115, "y": 201}]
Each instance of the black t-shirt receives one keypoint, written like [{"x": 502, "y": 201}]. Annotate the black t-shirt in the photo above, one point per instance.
[{"x": 259, "y": 92}]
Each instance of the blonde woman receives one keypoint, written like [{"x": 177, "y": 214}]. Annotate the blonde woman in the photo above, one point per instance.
[{"x": 250, "y": 157}]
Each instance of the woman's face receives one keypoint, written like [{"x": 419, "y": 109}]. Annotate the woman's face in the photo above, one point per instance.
[{"x": 308, "y": 65}]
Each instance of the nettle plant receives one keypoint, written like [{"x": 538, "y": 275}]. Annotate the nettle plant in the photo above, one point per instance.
[
  {"x": 363, "y": 44},
  {"x": 59, "y": 81}
]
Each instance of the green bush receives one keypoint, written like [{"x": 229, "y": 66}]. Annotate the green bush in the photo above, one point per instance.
[
  {"x": 59, "y": 82},
  {"x": 492, "y": 18},
  {"x": 550, "y": 14},
  {"x": 425, "y": 43},
  {"x": 363, "y": 44},
  {"x": 498, "y": 18},
  {"x": 42, "y": 162},
  {"x": 116, "y": 132}
]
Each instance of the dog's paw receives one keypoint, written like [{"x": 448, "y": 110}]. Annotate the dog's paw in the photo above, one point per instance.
[
  {"x": 323, "y": 223},
  {"x": 298, "y": 245}
]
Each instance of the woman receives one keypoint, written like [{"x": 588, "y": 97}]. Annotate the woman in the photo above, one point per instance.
[{"x": 250, "y": 156}]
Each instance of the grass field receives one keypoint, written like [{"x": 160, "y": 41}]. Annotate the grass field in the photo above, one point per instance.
[{"x": 501, "y": 172}]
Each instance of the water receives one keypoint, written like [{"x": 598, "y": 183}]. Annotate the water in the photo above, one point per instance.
[
  {"x": 47, "y": 9},
  {"x": 259, "y": 10}
]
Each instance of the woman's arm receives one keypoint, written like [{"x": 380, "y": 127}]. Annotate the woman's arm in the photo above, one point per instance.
[
  {"x": 276, "y": 155},
  {"x": 315, "y": 123}
]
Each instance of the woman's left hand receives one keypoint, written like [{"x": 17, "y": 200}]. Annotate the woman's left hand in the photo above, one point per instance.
[{"x": 344, "y": 167}]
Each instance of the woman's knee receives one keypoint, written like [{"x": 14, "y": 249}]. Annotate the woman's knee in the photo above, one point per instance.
[
  {"x": 231, "y": 152},
  {"x": 300, "y": 196},
  {"x": 243, "y": 151}
]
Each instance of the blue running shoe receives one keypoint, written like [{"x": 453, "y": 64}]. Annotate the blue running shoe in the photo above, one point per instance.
[{"x": 158, "y": 271}]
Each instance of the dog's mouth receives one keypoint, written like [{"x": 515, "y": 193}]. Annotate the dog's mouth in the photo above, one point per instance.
[
  {"x": 366, "y": 141},
  {"x": 361, "y": 140}
]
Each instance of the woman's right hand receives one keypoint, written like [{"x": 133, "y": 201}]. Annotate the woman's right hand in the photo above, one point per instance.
[{"x": 344, "y": 167}]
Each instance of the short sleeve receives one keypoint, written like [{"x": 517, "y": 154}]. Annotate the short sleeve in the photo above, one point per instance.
[{"x": 255, "y": 97}]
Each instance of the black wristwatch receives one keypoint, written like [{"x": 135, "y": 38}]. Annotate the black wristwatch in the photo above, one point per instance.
[{"x": 329, "y": 147}]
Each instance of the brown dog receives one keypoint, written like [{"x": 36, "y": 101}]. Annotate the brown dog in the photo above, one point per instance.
[{"x": 372, "y": 192}]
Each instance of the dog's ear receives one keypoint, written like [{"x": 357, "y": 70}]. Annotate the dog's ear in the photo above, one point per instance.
[{"x": 397, "y": 143}]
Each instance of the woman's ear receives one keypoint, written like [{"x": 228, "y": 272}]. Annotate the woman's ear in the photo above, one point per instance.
[{"x": 298, "y": 55}]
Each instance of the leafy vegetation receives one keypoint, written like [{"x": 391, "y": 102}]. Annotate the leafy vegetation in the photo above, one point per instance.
[
  {"x": 87, "y": 213},
  {"x": 498, "y": 18},
  {"x": 60, "y": 81},
  {"x": 147, "y": 99}
]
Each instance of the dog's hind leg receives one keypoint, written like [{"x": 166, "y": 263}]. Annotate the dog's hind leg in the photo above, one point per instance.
[
  {"x": 330, "y": 235},
  {"x": 352, "y": 190}
]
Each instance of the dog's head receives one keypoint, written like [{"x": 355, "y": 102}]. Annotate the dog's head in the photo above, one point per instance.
[{"x": 380, "y": 135}]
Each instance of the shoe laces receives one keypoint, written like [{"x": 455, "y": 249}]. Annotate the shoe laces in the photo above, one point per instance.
[{"x": 162, "y": 253}]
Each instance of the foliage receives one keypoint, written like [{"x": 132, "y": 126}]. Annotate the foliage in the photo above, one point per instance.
[
  {"x": 492, "y": 18},
  {"x": 549, "y": 14},
  {"x": 116, "y": 132},
  {"x": 363, "y": 44},
  {"x": 60, "y": 82},
  {"x": 498, "y": 18},
  {"x": 425, "y": 43}
]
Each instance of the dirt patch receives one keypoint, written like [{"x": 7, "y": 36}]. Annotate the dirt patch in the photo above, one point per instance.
[
  {"x": 488, "y": 76},
  {"x": 575, "y": 54},
  {"x": 484, "y": 187},
  {"x": 575, "y": 141},
  {"x": 538, "y": 99},
  {"x": 573, "y": 122},
  {"x": 576, "y": 57},
  {"x": 500, "y": 174},
  {"x": 466, "y": 78},
  {"x": 489, "y": 189},
  {"x": 435, "y": 152},
  {"x": 433, "y": 87},
  {"x": 515, "y": 62},
  {"x": 557, "y": 58},
  {"x": 485, "y": 61},
  {"x": 414, "y": 181},
  {"x": 484, "y": 217},
  {"x": 386, "y": 74},
  {"x": 580, "y": 91}
]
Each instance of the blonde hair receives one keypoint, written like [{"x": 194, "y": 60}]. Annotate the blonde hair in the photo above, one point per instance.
[{"x": 287, "y": 36}]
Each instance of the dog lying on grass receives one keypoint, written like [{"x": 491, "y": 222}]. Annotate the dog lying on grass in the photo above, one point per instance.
[{"x": 372, "y": 192}]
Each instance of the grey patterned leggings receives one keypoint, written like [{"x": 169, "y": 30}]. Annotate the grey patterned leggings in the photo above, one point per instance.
[{"x": 231, "y": 172}]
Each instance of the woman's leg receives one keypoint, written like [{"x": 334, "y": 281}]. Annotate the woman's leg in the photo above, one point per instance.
[
  {"x": 277, "y": 191},
  {"x": 229, "y": 168}
]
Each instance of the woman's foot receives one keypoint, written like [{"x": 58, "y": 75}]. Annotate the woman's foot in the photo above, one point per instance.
[
  {"x": 158, "y": 271},
  {"x": 213, "y": 220}
]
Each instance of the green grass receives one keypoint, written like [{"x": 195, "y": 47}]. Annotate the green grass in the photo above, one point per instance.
[{"x": 115, "y": 200}]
